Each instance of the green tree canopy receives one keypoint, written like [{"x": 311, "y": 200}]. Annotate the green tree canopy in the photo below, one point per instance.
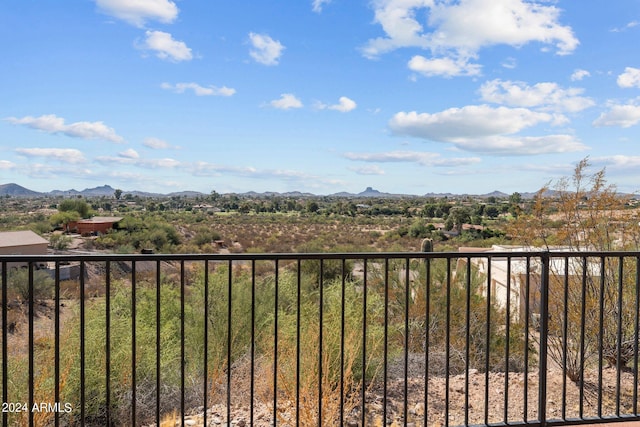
[{"x": 75, "y": 205}]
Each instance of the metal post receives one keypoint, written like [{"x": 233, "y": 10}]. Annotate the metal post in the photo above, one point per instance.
[{"x": 544, "y": 331}]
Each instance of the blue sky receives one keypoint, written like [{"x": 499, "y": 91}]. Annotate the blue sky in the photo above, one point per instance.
[{"x": 406, "y": 96}]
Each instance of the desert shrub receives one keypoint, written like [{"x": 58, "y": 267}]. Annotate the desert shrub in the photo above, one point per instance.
[
  {"x": 452, "y": 294},
  {"x": 253, "y": 313},
  {"x": 584, "y": 206},
  {"x": 60, "y": 241},
  {"x": 75, "y": 205},
  {"x": 43, "y": 284},
  {"x": 302, "y": 340},
  {"x": 419, "y": 229},
  {"x": 204, "y": 236},
  {"x": 41, "y": 227},
  {"x": 135, "y": 233}
]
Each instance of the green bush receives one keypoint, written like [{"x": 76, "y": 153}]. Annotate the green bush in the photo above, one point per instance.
[
  {"x": 248, "y": 296},
  {"x": 60, "y": 241},
  {"x": 43, "y": 284}
]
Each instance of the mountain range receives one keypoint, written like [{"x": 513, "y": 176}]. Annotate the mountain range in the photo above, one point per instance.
[{"x": 15, "y": 190}]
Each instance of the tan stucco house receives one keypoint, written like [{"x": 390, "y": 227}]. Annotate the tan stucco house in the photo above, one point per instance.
[{"x": 22, "y": 243}]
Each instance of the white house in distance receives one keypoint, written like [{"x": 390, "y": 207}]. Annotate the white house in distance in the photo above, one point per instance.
[{"x": 511, "y": 278}]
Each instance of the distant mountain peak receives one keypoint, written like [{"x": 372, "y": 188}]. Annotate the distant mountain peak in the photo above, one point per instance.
[
  {"x": 370, "y": 191},
  {"x": 16, "y": 190}
]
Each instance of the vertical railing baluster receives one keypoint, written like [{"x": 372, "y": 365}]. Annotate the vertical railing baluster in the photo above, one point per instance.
[
  {"x": 467, "y": 341},
  {"x": 619, "y": 365},
  {"x": 31, "y": 345},
  {"x": 56, "y": 341},
  {"x": 527, "y": 314},
  {"x": 253, "y": 342},
  {"x": 386, "y": 341},
  {"x": 320, "y": 337},
  {"x": 507, "y": 343},
  {"x": 583, "y": 316},
  {"x": 487, "y": 350},
  {"x": 5, "y": 353},
  {"x": 298, "y": 331},
  {"x": 107, "y": 344},
  {"x": 427, "y": 316},
  {"x": 342, "y": 332},
  {"x": 363, "y": 391},
  {"x": 447, "y": 343},
  {"x": 182, "y": 349},
  {"x": 82, "y": 342},
  {"x": 601, "y": 334},
  {"x": 636, "y": 336},
  {"x": 205, "y": 363},
  {"x": 133, "y": 343},
  {"x": 158, "y": 349},
  {"x": 229, "y": 343},
  {"x": 407, "y": 293},
  {"x": 565, "y": 337},
  {"x": 275, "y": 346},
  {"x": 544, "y": 335}
]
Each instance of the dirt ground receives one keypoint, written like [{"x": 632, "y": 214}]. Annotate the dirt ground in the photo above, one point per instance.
[{"x": 507, "y": 401}]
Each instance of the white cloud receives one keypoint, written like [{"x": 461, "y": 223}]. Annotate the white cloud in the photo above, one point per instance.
[
  {"x": 137, "y": 12},
  {"x": 129, "y": 154},
  {"x": 53, "y": 124},
  {"x": 6, "y": 165},
  {"x": 65, "y": 155},
  {"x": 166, "y": 163},
  {"x": 523, "y": 145},
  {"x": 266, "y": 50},
  {"x": 156, "y": 143},
  {"x": 446, "y": 67},
  {"x": 368, "y": 170},
  {"x": 288, "y": 175},
  {"x": 317, "y": 5},
  {"x": 473, "y": 121},
  {"x": 462, "y": 28},
  {"x": 623, "y": 115},
  {"x": 397, "y": 18},
  {"x": 166, "y": 47},
  {"x": 286, "y": 102},
  {"x": 617, "y": 162},
  {"x": 344, "y": 105},
  {"x": 199, "y": 90},
  {"x": 50, "y": 172},
  {"x": 630, "y": 78},
  {"x": 127, "y": 158},
  {"x": 545, "y": 95},
  {"x": 481, "y": 128},
  {"x": 420, "y": 157},
  {"x": 626, "y": 27},
  {"x": 579, "y": 75},
  {"x": 510, "y": 63}
]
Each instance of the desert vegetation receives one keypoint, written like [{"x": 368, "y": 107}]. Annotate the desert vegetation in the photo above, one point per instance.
[
  {"x": 434, "y": 309},
  {"x": 261, "y": 320},
  {"x": 587, "y": 214}
]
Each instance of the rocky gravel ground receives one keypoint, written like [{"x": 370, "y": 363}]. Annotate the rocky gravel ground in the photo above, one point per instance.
[{"x": 507, "y": 402}]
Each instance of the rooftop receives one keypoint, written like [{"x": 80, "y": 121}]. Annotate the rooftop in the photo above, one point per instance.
[
  {"x": 20, "y": 238},
  {"x": 101, "y": 219}
]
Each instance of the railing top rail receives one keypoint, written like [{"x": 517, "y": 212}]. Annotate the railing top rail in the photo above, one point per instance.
[{"x": 311, "y": 256}]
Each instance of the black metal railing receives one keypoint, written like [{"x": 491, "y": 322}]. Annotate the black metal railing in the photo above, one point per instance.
[{"x": 491, "y": 338}]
